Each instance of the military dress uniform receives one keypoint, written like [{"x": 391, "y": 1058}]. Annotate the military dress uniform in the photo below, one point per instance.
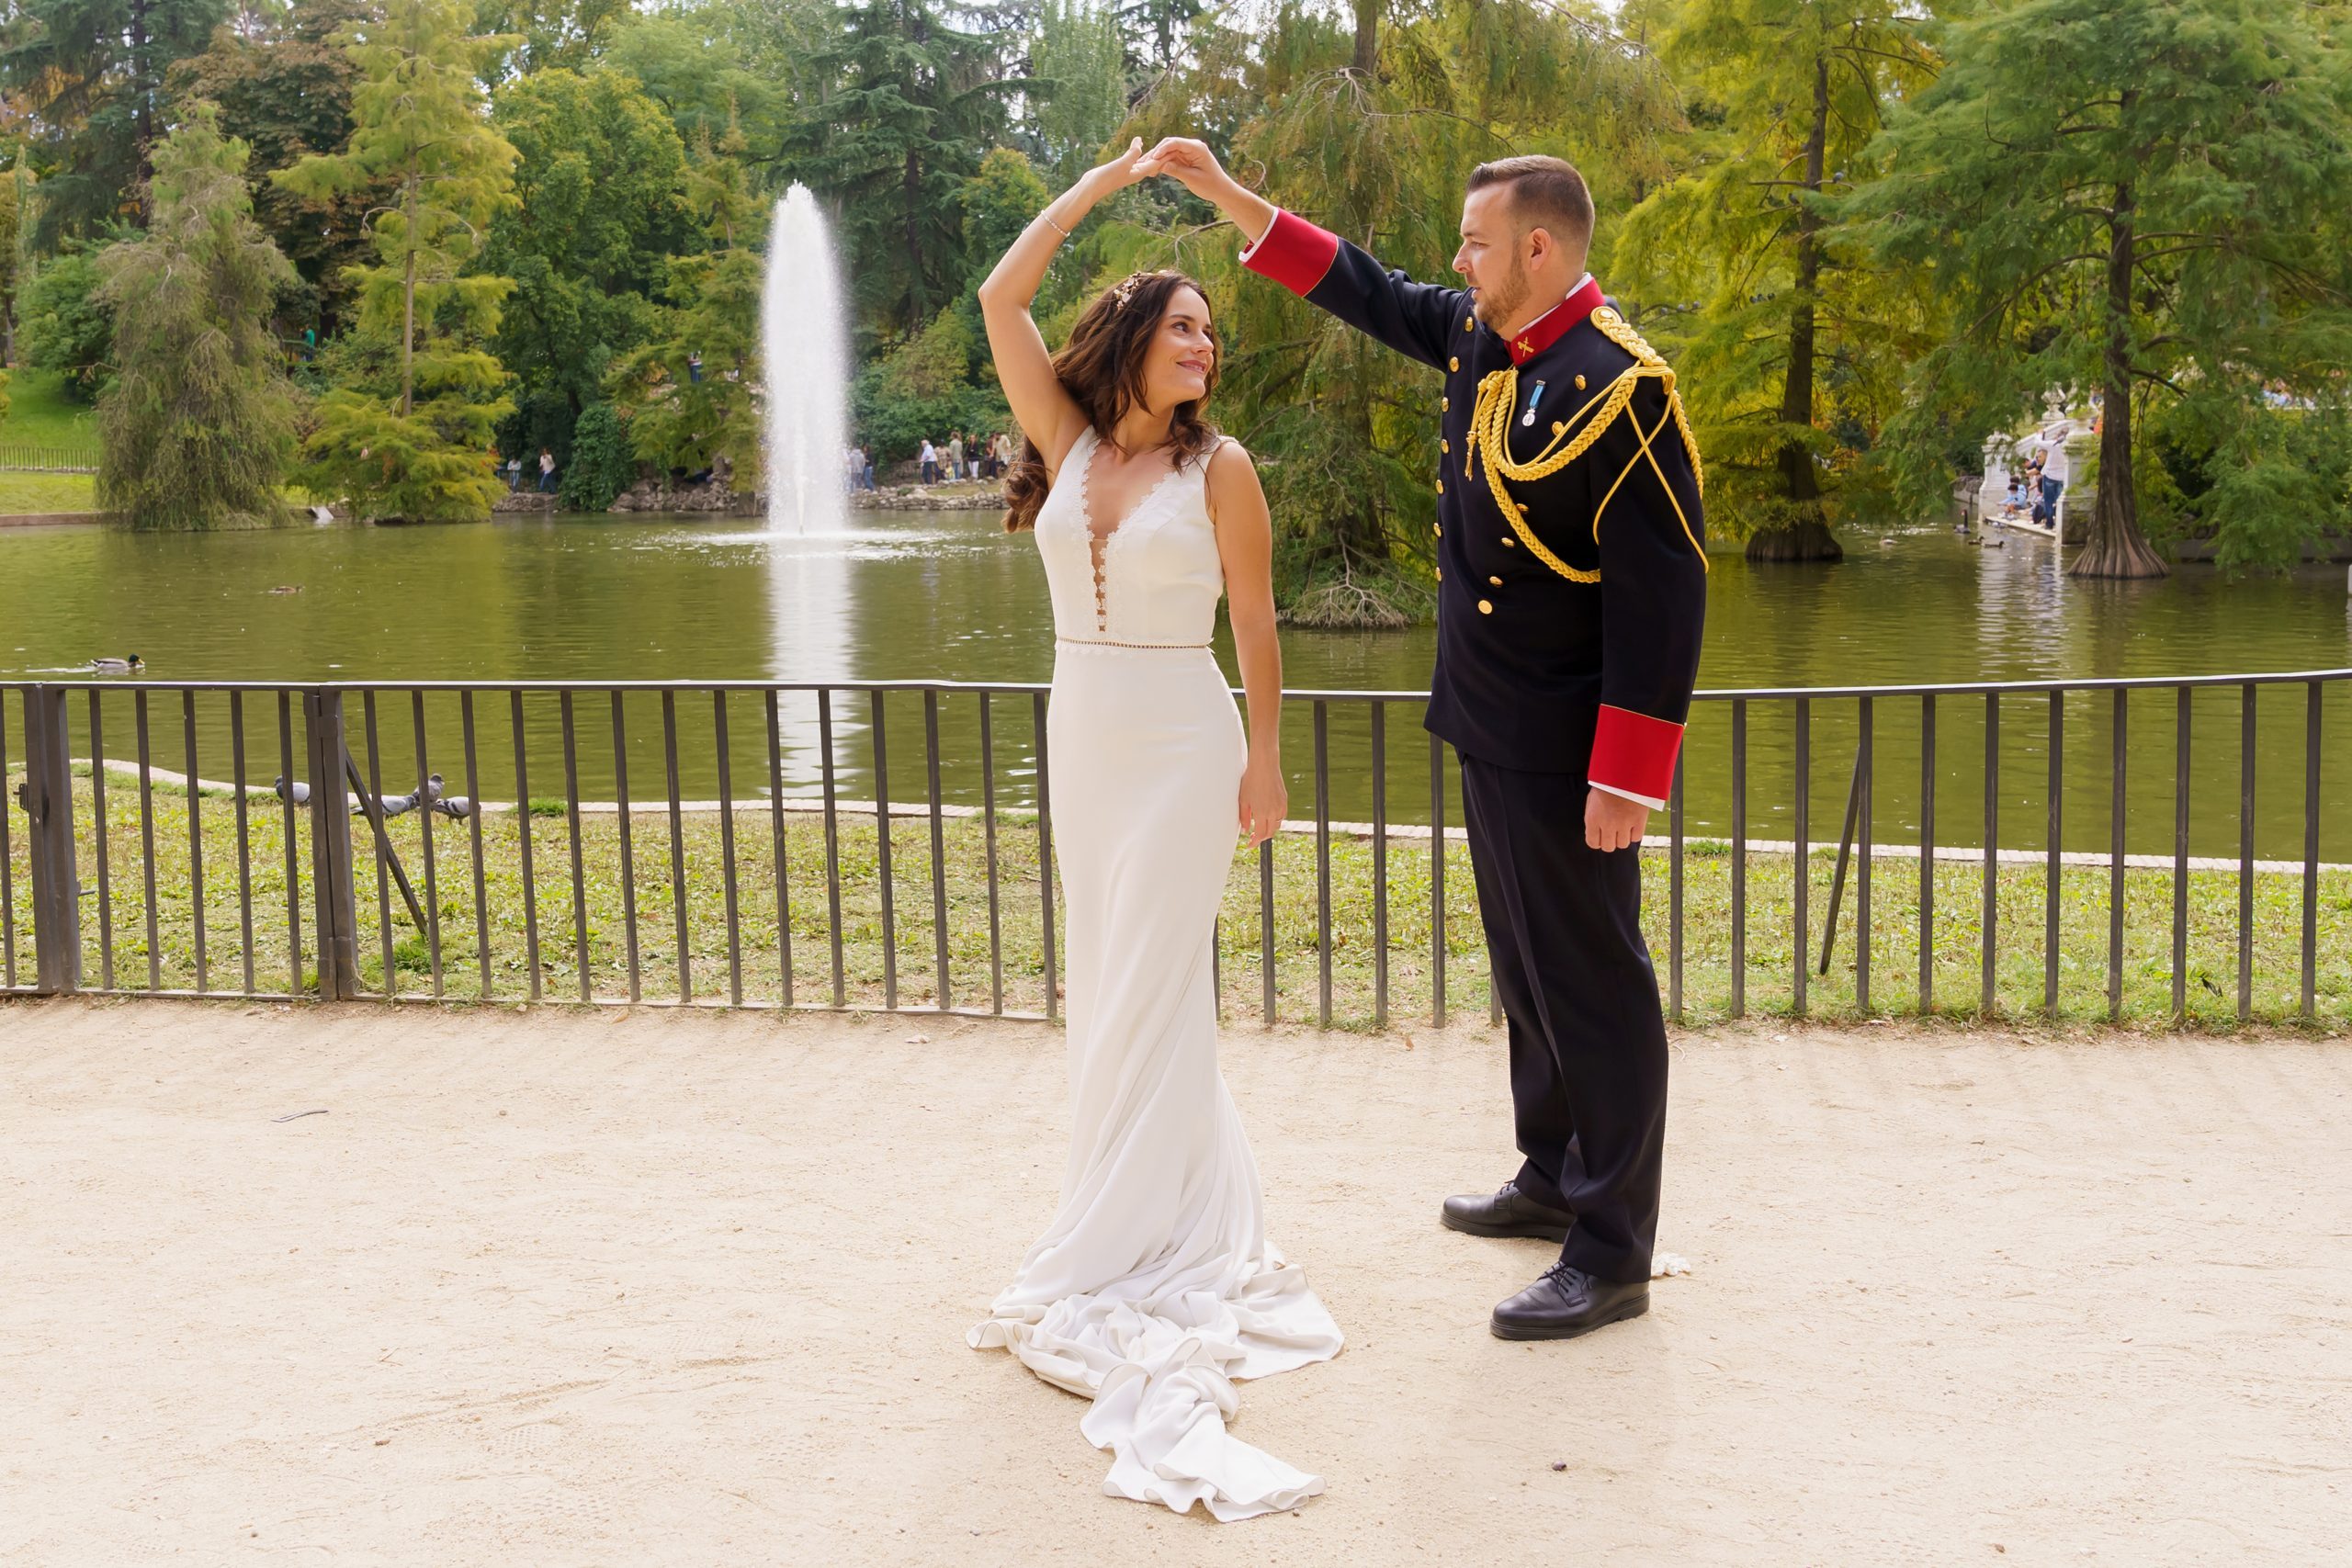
[{"x": 1571, "y": 592}]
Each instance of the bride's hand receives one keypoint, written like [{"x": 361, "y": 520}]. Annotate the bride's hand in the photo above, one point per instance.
[
  {"x": 1265, "y": 800},
  {"x": 1118, "y": 173}
]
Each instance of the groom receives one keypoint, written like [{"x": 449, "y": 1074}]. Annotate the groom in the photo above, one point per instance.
[{"x": 1571, "y": 589}]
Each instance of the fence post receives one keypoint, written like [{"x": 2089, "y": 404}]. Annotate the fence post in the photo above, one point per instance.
[
  {"x": 47, "y": 795},
  {"x": 335, "y": 911}
]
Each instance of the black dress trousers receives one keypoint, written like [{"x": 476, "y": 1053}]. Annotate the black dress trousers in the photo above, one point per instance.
[{"x": 1588, "y": 1038}]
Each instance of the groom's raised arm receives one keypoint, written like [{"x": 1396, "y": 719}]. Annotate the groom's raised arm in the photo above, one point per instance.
[{"x": 1417, "y": 319}]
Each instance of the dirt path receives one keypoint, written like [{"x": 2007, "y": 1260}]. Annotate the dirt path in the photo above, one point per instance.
[{"x": 556, "y": 1289}]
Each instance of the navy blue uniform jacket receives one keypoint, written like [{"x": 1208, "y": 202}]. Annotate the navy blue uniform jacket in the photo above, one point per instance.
[{"x": 1570, "y": 599}]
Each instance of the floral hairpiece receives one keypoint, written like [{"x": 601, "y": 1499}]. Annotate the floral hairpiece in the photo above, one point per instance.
[{"x": 1120, "y": 293}]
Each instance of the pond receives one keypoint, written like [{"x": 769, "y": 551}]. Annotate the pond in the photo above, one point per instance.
[{"x": 946, "y": 596}]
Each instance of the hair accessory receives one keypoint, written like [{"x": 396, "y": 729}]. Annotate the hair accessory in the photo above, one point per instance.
[{"x": 1120, "y": 294}]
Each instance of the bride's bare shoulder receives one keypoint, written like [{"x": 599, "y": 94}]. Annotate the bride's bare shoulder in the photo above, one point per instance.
[{"x": 1229, "y": 459}]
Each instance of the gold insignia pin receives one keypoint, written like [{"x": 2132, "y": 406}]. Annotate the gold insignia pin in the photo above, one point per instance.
[{"x": 1579, "y": 383}]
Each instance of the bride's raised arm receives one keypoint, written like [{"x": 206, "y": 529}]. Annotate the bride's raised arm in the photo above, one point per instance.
[{"x": 1048, "y": 413}]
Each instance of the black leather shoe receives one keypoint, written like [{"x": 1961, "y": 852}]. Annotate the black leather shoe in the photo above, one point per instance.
[
  {"x": 1566, "y": 1302},
  {"x": 1507, "y": 1212}
]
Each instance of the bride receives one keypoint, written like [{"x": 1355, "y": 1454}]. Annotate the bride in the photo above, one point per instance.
[{"x": 1154, "y": 1288}]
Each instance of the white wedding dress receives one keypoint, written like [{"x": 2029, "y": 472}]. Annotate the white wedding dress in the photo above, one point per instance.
[{"x": 1154, "y": 1289}]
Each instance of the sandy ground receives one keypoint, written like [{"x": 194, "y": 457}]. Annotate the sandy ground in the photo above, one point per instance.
[{"x": 661, "y": 1288}]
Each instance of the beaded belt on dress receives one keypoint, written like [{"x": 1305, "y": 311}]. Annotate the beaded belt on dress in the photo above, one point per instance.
[{"x": 1105, "y": 642}]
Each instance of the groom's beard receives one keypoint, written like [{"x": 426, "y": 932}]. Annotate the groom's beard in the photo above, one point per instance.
[{"x": 1500, "y": 303}]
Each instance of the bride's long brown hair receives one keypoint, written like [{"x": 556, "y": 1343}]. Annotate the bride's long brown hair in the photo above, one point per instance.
[{"x": 1101, "y": 367}]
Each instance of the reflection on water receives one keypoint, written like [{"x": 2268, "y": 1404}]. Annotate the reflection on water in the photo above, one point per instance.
[{"x": 947, "y": 595}]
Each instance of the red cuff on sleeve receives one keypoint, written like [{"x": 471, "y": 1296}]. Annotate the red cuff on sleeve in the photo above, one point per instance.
[
  {"x": 1634, "y": 752},
  {"x": 1293, "y": 251}
]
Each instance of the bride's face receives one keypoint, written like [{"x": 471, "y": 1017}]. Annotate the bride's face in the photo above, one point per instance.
[{"x": 1182, "y": 357}]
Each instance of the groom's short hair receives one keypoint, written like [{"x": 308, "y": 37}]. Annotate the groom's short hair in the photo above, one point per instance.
[{"x": 1546, "y": 193}]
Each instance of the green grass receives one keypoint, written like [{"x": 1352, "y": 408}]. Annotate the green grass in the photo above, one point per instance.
[
  {"x": 39, "y": 414},
  {"x": 21, "y": 494},
  {"x": 446, "y": 888}
]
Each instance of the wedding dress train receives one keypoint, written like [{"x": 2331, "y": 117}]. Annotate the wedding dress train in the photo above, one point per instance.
[{"x": 1155, "y": 1289}]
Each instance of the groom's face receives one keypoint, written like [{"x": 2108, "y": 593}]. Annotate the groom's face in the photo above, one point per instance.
[{"x": 1493, "y": 256}]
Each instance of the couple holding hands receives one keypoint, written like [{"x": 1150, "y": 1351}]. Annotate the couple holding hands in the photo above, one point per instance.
[{"x": 1572, "y": 587}]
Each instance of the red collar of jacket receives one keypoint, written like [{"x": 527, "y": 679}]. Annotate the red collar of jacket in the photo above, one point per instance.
[{"x": 1553, "y": 324}]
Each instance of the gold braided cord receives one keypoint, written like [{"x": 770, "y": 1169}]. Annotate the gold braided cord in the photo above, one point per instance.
[
  {"x": 1614, "y": 327},
  {"x": 1490, "y": 426},
  {"x": 1645, "y": 437}
]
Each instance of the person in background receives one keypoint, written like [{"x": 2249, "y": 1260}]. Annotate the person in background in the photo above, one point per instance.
[
  {"x": 929, "y": 460},
  {"x": 865, "y": 463},
  {"x": 955, "y": 455},
  {"x": 514, "y": 472},
  {"x": 693, "y": 367},
  {"x": 852, "y": 466},
  {"x": 1003, "y": 454},
  {"x": 547, "y": 470},
  {"x": 2045, "y": 507}
]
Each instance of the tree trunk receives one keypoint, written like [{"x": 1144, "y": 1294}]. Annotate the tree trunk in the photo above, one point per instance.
[
  {"x": 917, "y": 304},
  {"x": 1806, "y": 535},
  {"x": 2116, "y": 547},
  {"x": 408, "y": 306},
  {"x": 1367, "y": 50}
]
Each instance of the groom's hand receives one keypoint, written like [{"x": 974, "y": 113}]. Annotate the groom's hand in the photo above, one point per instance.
[
  {"x": 1611, "y": 822},
  {"x": 1188, "y": 161}
]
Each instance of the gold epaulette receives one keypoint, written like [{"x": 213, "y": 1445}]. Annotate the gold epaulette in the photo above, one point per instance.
[{"x": 1572, "y": 438}]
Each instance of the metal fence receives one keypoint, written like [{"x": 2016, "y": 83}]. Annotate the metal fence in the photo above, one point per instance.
[
  {"x": 360, "y": 871},
  {"x": 23, "y": 458}
]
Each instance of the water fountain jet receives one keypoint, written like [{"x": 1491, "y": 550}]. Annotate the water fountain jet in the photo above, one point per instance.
[{"x": 804, "y": 339}]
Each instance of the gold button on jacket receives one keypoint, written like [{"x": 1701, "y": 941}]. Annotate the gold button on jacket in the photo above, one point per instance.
[{"x": 1485, "y": 607}]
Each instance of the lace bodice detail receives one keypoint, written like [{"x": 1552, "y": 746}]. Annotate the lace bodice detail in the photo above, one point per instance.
[{"x": 1154, "y": 578}]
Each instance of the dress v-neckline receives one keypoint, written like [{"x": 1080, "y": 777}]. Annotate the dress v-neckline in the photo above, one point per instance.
[
  {"x": 1099, "y": 535},
  {"x": 1098, "y": 540}
]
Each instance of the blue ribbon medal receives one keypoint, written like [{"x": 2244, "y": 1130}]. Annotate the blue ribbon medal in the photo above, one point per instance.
[{"x": 1533, "y": 398}]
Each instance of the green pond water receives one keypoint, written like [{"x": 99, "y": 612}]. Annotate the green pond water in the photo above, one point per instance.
[{"x": 946, "y": 596}]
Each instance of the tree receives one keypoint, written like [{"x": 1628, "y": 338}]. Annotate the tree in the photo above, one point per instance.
[
  {"x": 688, "y": 392},
  {"x": 1348, "y": 432},
  {"x": 413, "y": 440},
  {"x": 688, "y": 62},
  {"x": 1790, "y": 92},
  {"x": 600, "y": 205},
  {"x": 92, "y": 72},
  {"x": 197, "y": 423},
  {"x": 13, "y": 191},
  {"x": 284, "y": 91},
  {"x": 561, "y": 35},
  {"x": 1080, "y": 61},
  {"x": 603, "y": 461},
  {"x": 911, "y": 105},
  {"x": 62, "y": 323},
  {"x": 2151, "y": 215}
]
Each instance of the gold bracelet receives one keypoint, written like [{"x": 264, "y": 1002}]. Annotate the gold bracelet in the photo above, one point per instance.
[{"x": 1051, "y": 224}]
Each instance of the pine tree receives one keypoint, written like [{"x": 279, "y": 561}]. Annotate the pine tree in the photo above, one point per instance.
[
  {"x": 2141, "y": 199},
  {"x": 685, "y": 414},
  {"x": 1790, "y": 92},
  {"x": 284, "y": 89},
  {"x": 912, "y": 104},
  {"x": 413, "y": 440},
  {"x": 92, "y": 73},
  {"x": 196, "y": 428}
]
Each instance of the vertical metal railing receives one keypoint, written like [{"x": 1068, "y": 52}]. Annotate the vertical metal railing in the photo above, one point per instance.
[{"x": 114, "y": 873}]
